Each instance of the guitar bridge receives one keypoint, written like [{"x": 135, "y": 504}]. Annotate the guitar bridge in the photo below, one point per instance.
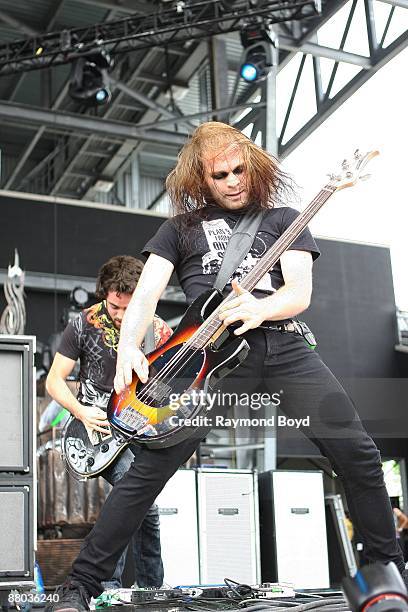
[{"x": 131, "y": 418}]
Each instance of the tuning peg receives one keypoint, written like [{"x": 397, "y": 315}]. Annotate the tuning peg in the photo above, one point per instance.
[{"x": 357, "y": 154}]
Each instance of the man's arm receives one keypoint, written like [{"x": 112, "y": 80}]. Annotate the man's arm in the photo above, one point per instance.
[
  {"x": 91, "y": 416},
  {"x": 290, "y": 300},
  {"x": 139, "y": 314}
]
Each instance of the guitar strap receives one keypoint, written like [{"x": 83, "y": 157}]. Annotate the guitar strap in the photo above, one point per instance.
[
  {"x": 149, "y": 341},
  {"x": 238, "y": 247}
]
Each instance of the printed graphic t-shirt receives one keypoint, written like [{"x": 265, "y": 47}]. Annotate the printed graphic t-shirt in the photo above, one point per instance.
[
  {"x": 198, "y": 264},
  {"x": 93, "y": 339}
]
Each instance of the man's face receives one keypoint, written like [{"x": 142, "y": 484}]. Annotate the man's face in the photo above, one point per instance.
[
  {"x": 116, "y": 304},
  {"x": 225, "y": 176}
]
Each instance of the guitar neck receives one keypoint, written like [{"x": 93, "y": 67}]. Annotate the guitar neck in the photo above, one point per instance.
[
  {"x": 209, "y": 328},
  {"x": 288, "y": 237}
]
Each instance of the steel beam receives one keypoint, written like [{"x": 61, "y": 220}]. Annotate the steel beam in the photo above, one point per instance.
[
  {"x": 371, "y": 29},
  {"x": 86, "y": 124},
  {"x": 217, "y": 49},
  {"x": 17, "y": 24},
  {"x": 202, "y": 114},
  {"x": 400, "y": 3},
  {"x": 148, "y": 102},
  {"x": 290, "y": 44}
]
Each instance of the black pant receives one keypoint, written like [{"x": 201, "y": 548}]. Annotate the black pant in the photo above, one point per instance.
[{"x": 277, "y": 363}]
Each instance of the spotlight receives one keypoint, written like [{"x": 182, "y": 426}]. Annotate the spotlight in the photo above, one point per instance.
[
  {"x": 258, "y": 57},
  {"x": 89, "y": 81},
  {"x": 79, "y": 297},
  {"x": 257, "y": 63}
]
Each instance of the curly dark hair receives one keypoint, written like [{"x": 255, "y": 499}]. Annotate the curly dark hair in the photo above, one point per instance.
[{"x": 120, "y": 273}]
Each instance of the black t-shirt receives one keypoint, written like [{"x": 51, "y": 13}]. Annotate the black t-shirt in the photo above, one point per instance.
[
  {"x": 197, "y": 264},
  {"x": 93, "y": 339}
]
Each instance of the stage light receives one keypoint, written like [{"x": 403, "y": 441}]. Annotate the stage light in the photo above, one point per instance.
[
  {"x": 257, "y": 63},
  {"x": 102, "y": 95},
  {"x": 79, "y": 297},
  {"x": 258, "y": 55},
  {"x": 249, "y": 72},
  {"x": 89, "y": 79}
]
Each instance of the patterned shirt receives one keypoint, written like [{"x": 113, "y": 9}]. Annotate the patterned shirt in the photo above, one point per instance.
[{"x": 92, "y": 337}]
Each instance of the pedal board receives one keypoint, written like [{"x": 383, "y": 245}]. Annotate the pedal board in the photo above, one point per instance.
[
  {"x": 221, "y": 591},
  {"x": 139, "y": 596}
]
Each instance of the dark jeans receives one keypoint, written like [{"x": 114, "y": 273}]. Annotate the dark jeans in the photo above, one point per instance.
[
  {"x": 280, "y": 363},
  {"x": 145, "y": 542}
]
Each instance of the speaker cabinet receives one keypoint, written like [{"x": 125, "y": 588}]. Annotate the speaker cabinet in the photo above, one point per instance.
[
  {"x": 209, "y": 527},
  {"x": 17, "y": 461},
  {"x": 16, "y": 389},
  {"x": 178, "y": 529},
  {"x": 228, "y": 526},
  {"x": 293, "y": 529},
  {"x": 16, "y": 528}
]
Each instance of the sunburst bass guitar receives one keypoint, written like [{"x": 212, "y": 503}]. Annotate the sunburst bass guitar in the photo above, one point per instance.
[{"x": 201, "y": 351}]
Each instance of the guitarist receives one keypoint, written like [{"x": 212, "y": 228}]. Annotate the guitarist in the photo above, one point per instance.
[
  {"x": 220, "y": 174},
  {"x": 93, "y": 339}
]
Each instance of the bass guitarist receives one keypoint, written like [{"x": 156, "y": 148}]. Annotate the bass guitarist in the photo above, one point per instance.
[
  {"x": 220, "y": 175},
  {"x": 92, "y": 337}
]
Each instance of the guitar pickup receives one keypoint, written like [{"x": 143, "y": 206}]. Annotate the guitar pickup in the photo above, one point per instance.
[{"x": 159, "y": 390}]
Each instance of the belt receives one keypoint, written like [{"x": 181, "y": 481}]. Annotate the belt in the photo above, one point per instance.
[{"x": 290, "y": 326}]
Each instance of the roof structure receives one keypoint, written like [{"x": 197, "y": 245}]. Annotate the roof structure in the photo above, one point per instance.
[{"x": 175, "y": 64}]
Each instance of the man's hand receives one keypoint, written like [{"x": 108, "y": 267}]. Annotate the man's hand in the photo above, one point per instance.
[
  {"x": 131, "y": 358},
  {"x": 93, "y": 418},
  {"x": 245, "y": 307}
]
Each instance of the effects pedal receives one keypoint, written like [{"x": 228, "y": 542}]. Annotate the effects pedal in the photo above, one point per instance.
[{"x": 142, "y": 595}]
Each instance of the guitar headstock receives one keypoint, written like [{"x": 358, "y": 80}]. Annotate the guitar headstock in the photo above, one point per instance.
[{"x": 352, "y": 170}]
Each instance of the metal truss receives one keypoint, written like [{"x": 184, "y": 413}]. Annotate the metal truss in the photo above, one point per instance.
[
  {"x": 183, "y": 22},
  {"x": 290, "y": 38},
  {"x": 326, "y": 103}
]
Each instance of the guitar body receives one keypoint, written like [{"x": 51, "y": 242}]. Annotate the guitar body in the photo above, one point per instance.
[
  {"x": 85, "y": 459},
  {"x": 151, "y": 412}
]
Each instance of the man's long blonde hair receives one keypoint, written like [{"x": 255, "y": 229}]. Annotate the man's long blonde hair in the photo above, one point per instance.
[{"x": 266, "y": 183}]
